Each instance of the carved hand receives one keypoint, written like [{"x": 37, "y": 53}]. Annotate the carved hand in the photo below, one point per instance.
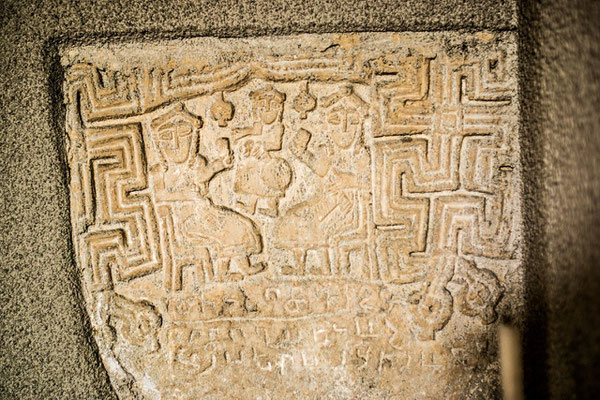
[{"x": 338, "y": 181}]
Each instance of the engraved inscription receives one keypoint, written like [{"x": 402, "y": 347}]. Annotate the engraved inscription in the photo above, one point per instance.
[{"x": 313, "y": 216}]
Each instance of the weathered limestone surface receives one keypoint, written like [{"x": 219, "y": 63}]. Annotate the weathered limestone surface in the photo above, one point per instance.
[{"x": 311, "y": 216}]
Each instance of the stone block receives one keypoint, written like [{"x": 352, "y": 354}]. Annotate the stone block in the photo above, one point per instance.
[{"x": 311, "y": 216}]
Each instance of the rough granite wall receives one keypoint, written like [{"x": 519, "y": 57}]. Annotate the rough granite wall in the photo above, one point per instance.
[
  {"x": 561, "y": 93},
  {"x": 47, "y": 351}
]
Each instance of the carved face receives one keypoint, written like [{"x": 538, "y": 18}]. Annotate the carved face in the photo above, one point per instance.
[
  {"x": 345, "y": 125},
  {"x": 268, "y": 109},
  {"x": 176, "y": 140}
]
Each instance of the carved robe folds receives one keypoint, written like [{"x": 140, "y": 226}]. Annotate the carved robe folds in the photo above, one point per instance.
[{"x": 309, "y": 216}]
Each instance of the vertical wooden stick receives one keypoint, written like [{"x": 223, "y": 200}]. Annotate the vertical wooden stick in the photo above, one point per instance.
[{"x": 511, "y": 363}]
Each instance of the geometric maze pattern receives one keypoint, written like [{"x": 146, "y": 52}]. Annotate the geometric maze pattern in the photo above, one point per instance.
[
  {"x": 443, "y": 183},
  {"x": 432, "y": 205},
  {"x": 122, "y": 223},
  {"x": 440, "y": 182}
]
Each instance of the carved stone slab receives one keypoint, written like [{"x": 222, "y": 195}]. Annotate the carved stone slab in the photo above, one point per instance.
[{"x": 301, "y": 217}]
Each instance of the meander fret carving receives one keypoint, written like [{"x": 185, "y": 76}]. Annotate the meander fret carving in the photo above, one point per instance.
[{"x": 292, "y": 212}]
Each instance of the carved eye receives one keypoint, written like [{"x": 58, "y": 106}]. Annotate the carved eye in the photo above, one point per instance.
[
  {"x": 144, "y": 326},
  {"x": 353, "y": 119},
  {"x": 184, "y": 130},
  {"x": 165, "y": 134},
  {"x": 334, "y": 118}
]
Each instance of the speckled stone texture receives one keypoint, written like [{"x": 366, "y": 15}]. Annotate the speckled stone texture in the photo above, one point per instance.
[
  {"x": 312, "y": 216},
  {"x": 46, "y": 349},
  {"x": 560, "y": 47}
]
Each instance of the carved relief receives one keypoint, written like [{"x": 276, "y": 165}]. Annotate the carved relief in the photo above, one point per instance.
[
  {"x": 261, "y": 175},
  {"x": 249, "y": 214},
  {"x": 304, "y": 102},
  {"x": 137, "y": 322},
  {"x": 480, "y": 291},
  {"x": 222, "y": 111},
  {"x": 120, "y": 236},
  {"x": 336, "y": 217},
  {"x": 180, "y": 184},
  {"x": 435, "y": 305}
]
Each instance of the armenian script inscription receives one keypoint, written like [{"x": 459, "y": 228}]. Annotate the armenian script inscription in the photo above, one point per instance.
[{"x": 300, "y": 217}]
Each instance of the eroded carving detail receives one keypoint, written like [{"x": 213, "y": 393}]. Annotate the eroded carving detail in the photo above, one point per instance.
[
  {"x": 304, "y": 102},
  {"x": 222, "y": 111},
  {"x": 435, "y": 305},
  {"x": 180, "y": 184},
  {"x": 480, "y": 291},
  {"x": 299, "y": 209},
  {"x": 138, "y": 322},
  {"x": 260, "y": 173}
]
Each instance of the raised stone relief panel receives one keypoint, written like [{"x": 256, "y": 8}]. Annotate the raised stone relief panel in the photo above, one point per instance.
[{"x": 307, "y": 217}]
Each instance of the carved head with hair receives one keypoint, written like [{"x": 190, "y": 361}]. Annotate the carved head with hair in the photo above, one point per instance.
[
  {"x": 267, "y": 104},
  {"x": 345, "y": 117},
  {"x": 175, "y": 135}
]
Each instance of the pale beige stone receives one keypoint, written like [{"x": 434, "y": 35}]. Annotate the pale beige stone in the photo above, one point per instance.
[{"x": 299, "y": 217}]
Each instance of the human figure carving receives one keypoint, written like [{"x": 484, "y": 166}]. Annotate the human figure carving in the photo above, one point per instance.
[
  {"x": 342, "y": 167},
  {"x": 260, "y": 175},
  {"x": 181, "y": 180}
]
